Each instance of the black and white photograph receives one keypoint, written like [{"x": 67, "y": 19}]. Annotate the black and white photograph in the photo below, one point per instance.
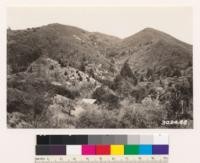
[{"x": 100, "y": 67}]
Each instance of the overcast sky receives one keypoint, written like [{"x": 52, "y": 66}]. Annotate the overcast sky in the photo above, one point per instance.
[{"x": 117, "y": 21}]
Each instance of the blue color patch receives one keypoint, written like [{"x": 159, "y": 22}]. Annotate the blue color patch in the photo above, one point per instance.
[{"x": 145, "y": 149}]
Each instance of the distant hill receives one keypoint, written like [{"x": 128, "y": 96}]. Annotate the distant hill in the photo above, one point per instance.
[
  {"x": 75, "y": 47},
  {"x": 151, "y": 48},
  {"x": 70, "y": 46}
]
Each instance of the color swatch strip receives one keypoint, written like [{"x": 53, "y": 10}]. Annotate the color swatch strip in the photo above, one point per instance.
[
  {"x": 101, "y": 139},
  {"x": 102, "y": 149},
  {"x": 102, "y": 145}
]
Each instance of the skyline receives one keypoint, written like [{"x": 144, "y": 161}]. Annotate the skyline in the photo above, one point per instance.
[{"x": 113, "y": 21}]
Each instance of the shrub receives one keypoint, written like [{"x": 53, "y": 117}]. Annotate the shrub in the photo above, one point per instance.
[
  {"x": 138, "y": 93},
  {"x": 106, "y": 95},
  {"x": 135, "y": 116},
  {"x": 94, "y": 118},
  {"x": 140, "y": 116},
  {"x": 127, "y": 73}
]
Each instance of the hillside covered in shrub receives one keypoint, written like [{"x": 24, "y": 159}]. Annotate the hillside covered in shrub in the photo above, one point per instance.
[{"x": 60, "y": 76}]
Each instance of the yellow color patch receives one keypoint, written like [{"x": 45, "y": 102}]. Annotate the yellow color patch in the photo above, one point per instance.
[{"x": 117, "y": 149}]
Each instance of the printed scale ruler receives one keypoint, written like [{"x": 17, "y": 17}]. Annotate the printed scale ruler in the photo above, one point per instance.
[
  {"x": 102, "y": 159},
  {"x": 102, "y": 148}
]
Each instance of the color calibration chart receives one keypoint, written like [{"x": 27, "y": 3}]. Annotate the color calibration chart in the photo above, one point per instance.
[{"x": 102, "y": 148}]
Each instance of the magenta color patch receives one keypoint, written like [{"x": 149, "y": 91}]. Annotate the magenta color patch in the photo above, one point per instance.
[{"x": 88, "y": 149}]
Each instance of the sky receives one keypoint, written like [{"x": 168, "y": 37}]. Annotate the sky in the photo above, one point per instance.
[{"x": 117, "y": 21}]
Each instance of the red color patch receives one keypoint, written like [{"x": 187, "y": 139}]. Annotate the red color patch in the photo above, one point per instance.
[{"x": 103, "y": 149}]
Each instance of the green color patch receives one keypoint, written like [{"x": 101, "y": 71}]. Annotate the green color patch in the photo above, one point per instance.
[{"x": 131, "y": 149}]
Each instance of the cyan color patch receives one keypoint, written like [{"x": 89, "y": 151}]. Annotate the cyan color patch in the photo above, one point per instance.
[{"x": 145, "y": 149}]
